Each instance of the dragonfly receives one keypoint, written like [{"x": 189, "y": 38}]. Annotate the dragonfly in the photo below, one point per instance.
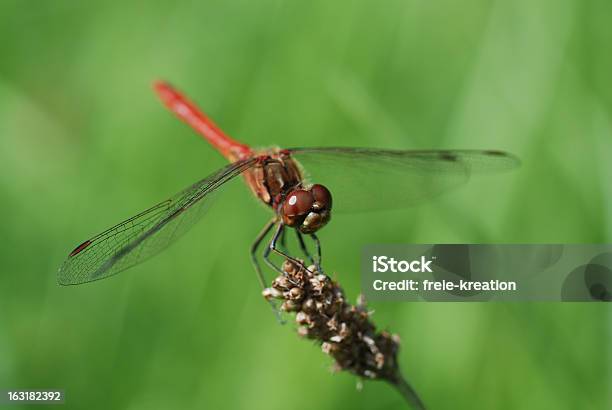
[{"x": 295, "y": 183}]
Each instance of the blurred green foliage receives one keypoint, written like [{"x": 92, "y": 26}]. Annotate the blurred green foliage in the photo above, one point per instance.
[{"x": 84, "y": 144}]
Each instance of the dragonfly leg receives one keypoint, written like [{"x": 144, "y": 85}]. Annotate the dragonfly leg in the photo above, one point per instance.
[
  {"x": 317, "y": 261},
  {"x": 264, "y": 232},
  {"x": 304, "y": 248},
  {"x": 272, "y": 247},
  {"x": 283, "y": 241},
  {"x": 315, "y": 238}
]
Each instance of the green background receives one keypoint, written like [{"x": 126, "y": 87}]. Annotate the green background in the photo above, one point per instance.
[{"x": 84, "y": 143}]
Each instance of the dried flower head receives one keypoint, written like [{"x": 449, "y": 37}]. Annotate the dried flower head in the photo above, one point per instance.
[{"x": 344, "y": 331}]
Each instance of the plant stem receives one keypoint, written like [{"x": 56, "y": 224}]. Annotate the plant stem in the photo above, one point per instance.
[{"x": 407, "y": 392}]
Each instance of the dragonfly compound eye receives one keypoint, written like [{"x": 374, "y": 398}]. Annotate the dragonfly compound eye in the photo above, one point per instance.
[
  {"x": 322, "y": 197},
  {"x": 296, "y": 206},
  {"x": 307, "y": 210},
  {"x": 320, "y": 213}
]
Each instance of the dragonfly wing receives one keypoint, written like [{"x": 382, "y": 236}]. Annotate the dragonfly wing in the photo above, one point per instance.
[
  {"x": 146, "y": 234},
  {"x": 362, "y": 179}
]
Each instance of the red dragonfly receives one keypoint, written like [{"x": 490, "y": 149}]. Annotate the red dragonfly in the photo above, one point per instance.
[{"x": 361, "y": 179}]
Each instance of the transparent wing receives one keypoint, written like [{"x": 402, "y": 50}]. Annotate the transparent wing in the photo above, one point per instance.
[
  {"x": 146, "y": 234},
  {"x": 362, "y": 179}
]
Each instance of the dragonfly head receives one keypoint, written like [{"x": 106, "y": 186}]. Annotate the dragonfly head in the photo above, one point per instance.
[{"x": 308, "y": 210}]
